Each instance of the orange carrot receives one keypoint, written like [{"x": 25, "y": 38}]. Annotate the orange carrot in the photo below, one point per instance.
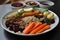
[
  {"x": 37, "y": 12},
  {"x": 38, "y": 28},
  {"x": 41, "y": 15},
  {"x": 45, "y": 28},
  {"x": 27, "y": 24},
  {"x": 28, "y": 28},
  {"x": 30, "y": 13},
  {"x": 37, "y": 24}
]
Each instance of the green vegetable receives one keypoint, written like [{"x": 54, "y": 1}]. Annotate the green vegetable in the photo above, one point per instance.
[
  {"x": 44, "y": 19},
  {"x": 47, "y": 21},
  {"x": 21, "y": 12},
  {"x": 43, "y": 10},
  {"x": 37, "y": 16},
  {"x": 34, "y": 8}
]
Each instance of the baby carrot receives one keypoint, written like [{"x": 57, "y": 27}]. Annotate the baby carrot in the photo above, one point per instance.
[
  {"x": 28, "y": 28},
  {"x": 37, "y": 24},
  {"x": 45, "y": 28},
  {"x": 38, "y": 28},
  {"x": 37, "y": 12},
  {"x": 28, "y": 14}
]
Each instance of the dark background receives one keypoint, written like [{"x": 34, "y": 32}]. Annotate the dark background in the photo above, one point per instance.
[{"x": 52, "y": 35}]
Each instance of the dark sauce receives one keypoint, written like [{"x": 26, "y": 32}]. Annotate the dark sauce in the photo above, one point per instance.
[{"x": 17, "y": 4}]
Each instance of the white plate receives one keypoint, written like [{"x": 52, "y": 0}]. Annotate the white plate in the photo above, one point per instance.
[{"x": 52, "y": 25}]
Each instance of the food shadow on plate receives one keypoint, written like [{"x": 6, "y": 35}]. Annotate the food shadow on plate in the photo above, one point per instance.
[{"x": 48, "y": 35}]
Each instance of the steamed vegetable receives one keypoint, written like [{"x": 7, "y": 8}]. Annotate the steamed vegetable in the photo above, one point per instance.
[
  {"x": 38, "y": 28},
  {"x": 11, "y": 15},
  {"x": 37, "y": 12},
  {"x": 26, "y": 9},
  {"x": 43, "y": 29},
  {"x": 30, "y": 13},
  {"x": 43, "y": 9},
  {"x": 49, "y": 21},
  {"x": 41, "y": 15},
  {"x": 36, "y": 25},
  {"x": 42, "y": 19},
  {"x": 30, "y": 9},
  {"x": 28, "y": 28},
  {"x": 21, "y": 12},
  {"x": 45, "y": 13},
  {"x": 50, "y": 16}
]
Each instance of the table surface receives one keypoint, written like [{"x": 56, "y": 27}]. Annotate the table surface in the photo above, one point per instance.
[{"x": 52, "y": 35}]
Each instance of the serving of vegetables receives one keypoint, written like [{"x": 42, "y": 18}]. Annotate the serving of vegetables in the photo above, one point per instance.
[{"x": 29, "y": 20}]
